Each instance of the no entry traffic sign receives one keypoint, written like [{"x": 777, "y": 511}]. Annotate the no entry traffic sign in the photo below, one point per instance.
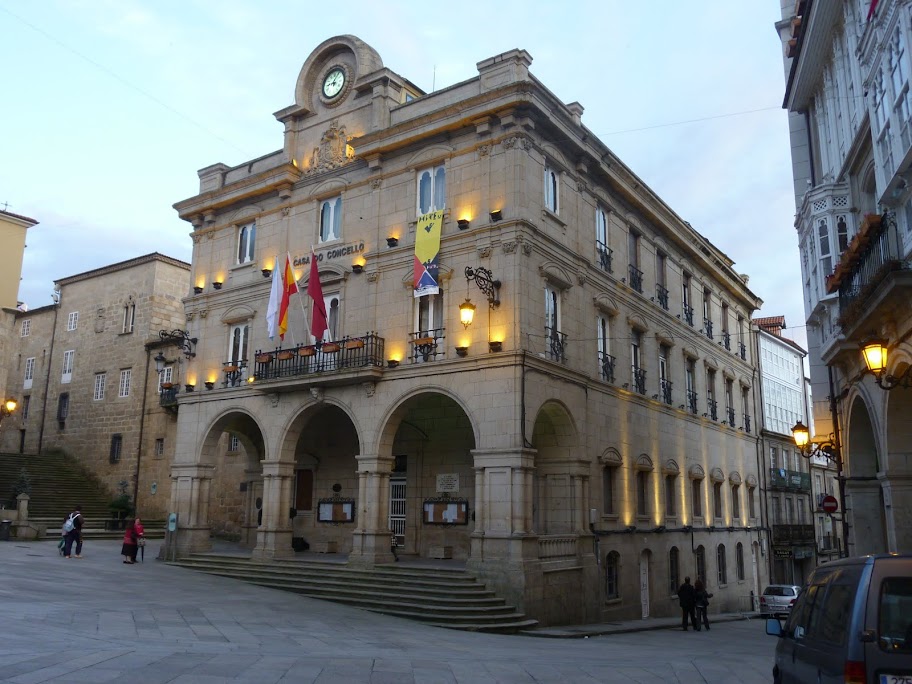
[{"x": 829, "y": 504}]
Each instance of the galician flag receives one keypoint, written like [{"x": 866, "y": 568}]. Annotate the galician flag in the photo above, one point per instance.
[
  {"x": 318, "y": 324},
  {"x": 283, "y": 286}
]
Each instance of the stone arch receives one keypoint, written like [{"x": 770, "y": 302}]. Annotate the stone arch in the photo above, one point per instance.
[
  {"x": 670, "y": 467},
  {"x": 330, "y": 274},
  {"x": 716, "y": 475},
  {"x": 398, "y": 409},
  {"x": 556, "y": 274},
  {"x": 355, "y": 53},
  {"x": 864, "y": 497},
  {"x": 611, "y": 457},
  {"x": 555, "y": 156},
  {"x": 861, "y": 453},
  {"x": 238, "y": 313},
  {"x": 556, "y": 508},
  {"x": 606, "y": 304},
  {"x": 696, "y": 472},
  {"x": 244, "y": 213},
  {"x": 297, "y": 423},
  {"x": 244, "y": 425},
  {"x": 643, "y": 462},
  {"x": 429, "y": 155},
  {"x": 898, "y": 424},
  {"x": 734, "y": 477},
  {"x": 329, "y": 188}
]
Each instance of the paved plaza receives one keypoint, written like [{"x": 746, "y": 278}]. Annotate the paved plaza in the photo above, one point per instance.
[{"x": 97, "y": 620}]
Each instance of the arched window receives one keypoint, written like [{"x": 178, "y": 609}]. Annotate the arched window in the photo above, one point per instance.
[
  {"x": 673, "y": 570},
  {"x": 739, "y": 560},
  {"x": 612, "y": 567},
  {"x": 721, "y": 565}
]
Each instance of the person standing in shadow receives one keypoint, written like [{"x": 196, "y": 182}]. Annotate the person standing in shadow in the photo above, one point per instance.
[
  {"x": 702, "y": 603},
  {"x": 688, "y": 598}
]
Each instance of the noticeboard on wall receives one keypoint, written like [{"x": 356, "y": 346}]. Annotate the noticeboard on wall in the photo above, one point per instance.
[
  {"x": 336, "y": 510},
  {"x": 446, "y": 512}
]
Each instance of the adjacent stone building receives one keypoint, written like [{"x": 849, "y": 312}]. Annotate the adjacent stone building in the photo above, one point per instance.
[
  {"x": 13, "y": 228},
  {"x": 582, "y": 444},
  {"x": 848, "y": 75},
  {"x": 83, "y": 371}
]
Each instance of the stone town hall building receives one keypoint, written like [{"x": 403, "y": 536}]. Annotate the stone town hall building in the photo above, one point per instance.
[{"x": 582, "y": 445}]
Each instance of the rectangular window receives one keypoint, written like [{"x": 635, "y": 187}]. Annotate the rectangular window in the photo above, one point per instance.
[
  {"x": 717, "y": 499},
  {"x": 125, "y": 376},
  {"x": 29, "y": 373},
  {"x": 722, "y": 565},
  {"x": 304, "y": 481},
  {"x": 609, "y": 475},
  {"x": 751, "y": 502},
  {"x": 429, "y": 315},
  {"x": 601, "y": 239},
  {"x": 635, "y": 362},
  {"x": 26, "y": 402},
  {"x": 774, "y": 457},
  {"x": 696, "y": 492},
  {"x": 686, "y": 306},
  {"x": 237, "y": 343},
  {"x": 736, "y": 503},
  {"x": 234, "y": 444},
  {"x": 605, "y": 362},
  {"x": 775, "y": 510},
  {"x": 129, "y": 318},
  {"x": 165, "y": 377},
  {"x": 642, "y": 481},
  {"x": 431, "y": 190},
  {"x": 633, "y": 248},
  {"x": 26, "y": 328},
  {"x": 116, "y": 448},
  {"x": 674, "y": 571},
  {"x": 246, "y": 242},
  {"x": 671, "y": 509},
  {"x": 552, "y": 185},
  {"x": 789, "y": 511},
  {"x": 823, "y": 244},
  {"x": 612, "y": 586},
  {"x": 331, "y": 219},
  {"x": 67, "y": 371},
  {"x": 72, "y": 320},
  {"x": 63, "y": 406},
  {"x": 98, "y": 394},
  {"x": 160, "y": 447}
]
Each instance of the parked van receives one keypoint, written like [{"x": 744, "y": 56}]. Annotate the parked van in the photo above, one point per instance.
[{"x": 852, "y": 623}]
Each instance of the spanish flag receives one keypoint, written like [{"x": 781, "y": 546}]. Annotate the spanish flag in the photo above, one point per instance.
[{"x": 283, "y": 286}]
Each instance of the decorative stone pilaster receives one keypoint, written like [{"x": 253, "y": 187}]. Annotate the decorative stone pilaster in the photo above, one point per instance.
[
  {"x": 274, "y": 533},
  {"x": 866, "y": 531},
  {"x": 190, "y": 485},
  {"x": 372, "y": 537},
  {"x": 897, "y": 498}
]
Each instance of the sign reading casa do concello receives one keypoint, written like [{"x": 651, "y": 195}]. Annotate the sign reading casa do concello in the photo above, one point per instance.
[{"x": 330, "y": 254}]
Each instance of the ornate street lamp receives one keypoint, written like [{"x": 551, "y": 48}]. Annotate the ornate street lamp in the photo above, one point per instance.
[
  {"x": 7, "y": 407},
  {"x": 874, "y": 353},
  {"x": 180, "y": 338}
]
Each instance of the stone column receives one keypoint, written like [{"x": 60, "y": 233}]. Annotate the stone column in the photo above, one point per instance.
[
  {"x": 190, "y": 485},
  {"x": 897, "y": 498},
  {"x": 865, "y": 511},
  {"x": 371, "y": 539},
  {"x": 274, "y": 534}
]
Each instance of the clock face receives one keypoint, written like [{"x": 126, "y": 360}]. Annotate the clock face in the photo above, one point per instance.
[{"x": 332, "y": 84}]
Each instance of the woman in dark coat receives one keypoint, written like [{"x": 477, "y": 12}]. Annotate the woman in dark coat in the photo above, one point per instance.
[{"x": 702, "y": 597}]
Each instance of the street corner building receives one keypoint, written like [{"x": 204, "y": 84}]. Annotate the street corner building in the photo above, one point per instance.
[{"x": 500, "y": 347}]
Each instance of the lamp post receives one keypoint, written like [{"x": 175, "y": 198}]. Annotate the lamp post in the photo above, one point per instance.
[
  {"x": 7, "y": 408},
  {"x": 830, "y": 450}
]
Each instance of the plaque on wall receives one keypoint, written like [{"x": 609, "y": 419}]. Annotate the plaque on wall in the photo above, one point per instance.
[
  {"x": 336, "y": 510},
  {"x": 446, "y": 511},
  {"x": 448, "y": 483}
]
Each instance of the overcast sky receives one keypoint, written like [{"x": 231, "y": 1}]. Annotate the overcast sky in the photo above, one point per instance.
[{"x": 111, "y": 106}]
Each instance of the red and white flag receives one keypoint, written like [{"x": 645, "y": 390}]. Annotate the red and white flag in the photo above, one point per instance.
[
  {"x": 283, "y": 286},
  {"x": 318, "y": 324}
]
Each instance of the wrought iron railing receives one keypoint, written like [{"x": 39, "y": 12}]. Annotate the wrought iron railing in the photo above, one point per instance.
[
  {"x": 662, "y": 296},
  {"x": 742, "y": 350},
  {"x": 307, "y": 359},
  {"x": 638, "y": 376},
  {"x": 692, "y": 401},
  {"x": 427, "y": 345},
  {"x": 635, "y": 277},
  {"x": 730, "y": 415},
  {"x": 747, "y": 423},
  {"x": 665, "y": 390},
  {"x": 688, "y": 313},
  {"x": 167, "y": 396},
  {"x": 606, "y": 366},
  {"x": 556, "y": 342},
  {"x": 726, "y": 340},
  {"x": 604, "y": 255},
  {"x": 708, "y": 328},
  {"x": 793, "y": 534},
  {"x": 712, "y": 408},
  {"x": 234, "y": 373}
]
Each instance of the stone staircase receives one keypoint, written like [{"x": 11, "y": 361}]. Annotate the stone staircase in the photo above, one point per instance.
[{"x": 440, "y": 597}]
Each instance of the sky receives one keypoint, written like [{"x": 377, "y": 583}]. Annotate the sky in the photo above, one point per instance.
[{"x": 109, "y": 108}]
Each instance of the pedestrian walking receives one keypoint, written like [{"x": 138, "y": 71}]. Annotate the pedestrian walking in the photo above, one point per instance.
[
  {"x": 688, "y": 599},
  {"x": 132, "y": 535},
  {"x": 702, "y": 603},
  {"x": 72, "y": 528}
]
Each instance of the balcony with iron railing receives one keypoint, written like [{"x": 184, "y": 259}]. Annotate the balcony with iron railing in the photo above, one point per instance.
[
  {"x": 662, "y": 296},
  {"x": 604, "y": 256},
  {"x": 555, "y": 344},
  {"x": 789, "y": 480},
  {"x": 747, "y": 423},
  {"x": 606, "y": 366},
  {"x": 742, "y": 351},
  {"x": 708, "y": 328},
  {"x": 786, "y": 534},
  {"x": 726, "y": 340},
  {"x": 167, "y": 397},
  {"x": 712, "y": 409},
  {"x": 665, "y": 391},
  {"x": 638, "y": 379},
  {"x": 687, "y": 313},
  {"x": 348, "y": 360},
  {"x": 691, "y": 401},
  {"x": 730, "y": 416},
  {"x": 635, "y": 277},
  {"x": 872, "y": 275},
  {"x": 427, "y": 345},
  {"x": 234, "y": 373}
]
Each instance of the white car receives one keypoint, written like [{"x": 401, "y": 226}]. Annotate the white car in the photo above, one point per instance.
[{"x": 778, "y": 599}]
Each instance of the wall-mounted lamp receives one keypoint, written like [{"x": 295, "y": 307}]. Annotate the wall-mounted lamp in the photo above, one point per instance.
[
  {"x": 266, "y": 272},
  {"x": 392, "y": 241},
  {"x": 495, "y": 346},
  {"x": 198, "y": 289},
  {"x": 189, "y": 387},
  {"x": 209, "y": 384},
  {"x": 7, "y": 407},
  {"x": 181, "y": 338},
  {"x": 462, "y": 223},
  {"x": 357, "y": 268},
  {"x": 466, "y": 312},
  {"x": 462, "y": 351},
  {"x": 874, "y": 353},
  {"x": 392, "y": 363},
  {"x": 217, "y": 284},
  {"x": 496, "y": 215}
]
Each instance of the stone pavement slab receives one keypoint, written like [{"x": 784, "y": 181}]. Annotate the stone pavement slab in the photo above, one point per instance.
[{"x": 97, "y": 620}]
